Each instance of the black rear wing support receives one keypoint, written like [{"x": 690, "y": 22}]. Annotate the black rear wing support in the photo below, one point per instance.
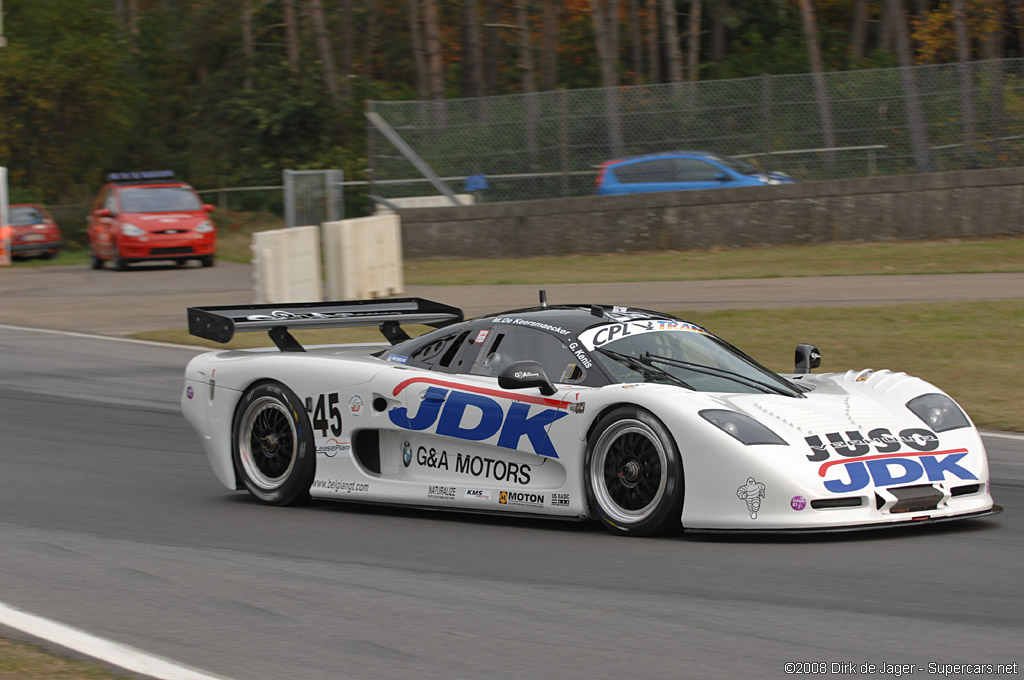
[{"x": 220, "y": 323}]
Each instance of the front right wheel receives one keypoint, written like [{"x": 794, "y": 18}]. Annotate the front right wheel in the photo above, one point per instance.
[{"x": 633, "y": 474}]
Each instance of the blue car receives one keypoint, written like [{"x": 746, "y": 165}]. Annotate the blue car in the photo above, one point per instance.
[{"x": 681, "y": 170}]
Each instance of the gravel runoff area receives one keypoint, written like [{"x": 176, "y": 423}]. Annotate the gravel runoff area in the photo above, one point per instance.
[{"x": 77, "y": 298}]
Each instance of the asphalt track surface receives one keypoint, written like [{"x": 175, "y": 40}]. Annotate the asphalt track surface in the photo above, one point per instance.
[{"x": 111, "y": 521}]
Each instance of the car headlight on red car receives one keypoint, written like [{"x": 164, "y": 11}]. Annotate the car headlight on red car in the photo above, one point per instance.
[
  {"x": 205, "y": 227},
  {"x": 131, "y": 230}
]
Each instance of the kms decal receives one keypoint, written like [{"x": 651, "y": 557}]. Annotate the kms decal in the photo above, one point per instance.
[{"x": 475, "y": 416}]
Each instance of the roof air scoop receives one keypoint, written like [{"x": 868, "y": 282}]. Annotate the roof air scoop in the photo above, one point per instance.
[{"x": 543, "y": 298}]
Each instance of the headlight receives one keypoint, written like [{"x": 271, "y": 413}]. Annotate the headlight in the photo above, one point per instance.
[
  {"x": 131, "y": 230},
  {"x": 771, "y": 180},
  {"x": 938, "y": 412},
  {"x": 205, "y": 227},
  {"x": 741, "y": 427}
]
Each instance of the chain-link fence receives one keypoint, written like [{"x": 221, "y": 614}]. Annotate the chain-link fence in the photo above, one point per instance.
[{"x": 868, "y": 123}]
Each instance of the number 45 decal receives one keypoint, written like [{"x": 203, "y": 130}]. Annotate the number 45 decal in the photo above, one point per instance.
[{"x": 327, "y": 414}]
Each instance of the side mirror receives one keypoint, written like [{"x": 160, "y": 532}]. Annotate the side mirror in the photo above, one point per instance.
[
  {"x": 722, "y": 177},
  {"x": 104, "y": 212},
  {"x": 209, "y": 207},
  {"x": 522, "y": 374},
  {"x": 807, "y": 358}
]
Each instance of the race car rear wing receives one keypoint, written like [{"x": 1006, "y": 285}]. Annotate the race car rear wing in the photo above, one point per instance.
[{"x": 219, "y": 323}]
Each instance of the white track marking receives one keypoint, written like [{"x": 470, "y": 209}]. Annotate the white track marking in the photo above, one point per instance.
[
  {"x": 93, "y": 336},
  {"x": 122, "y": 656}
]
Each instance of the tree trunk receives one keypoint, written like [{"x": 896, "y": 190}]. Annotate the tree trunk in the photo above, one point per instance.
[
  {"x": 693, "y": 59},
  {"x": 347, "y": 48},
  {"x": 291, "y": 32},
  {"x": 472, "y": 57},
  {"x": 491, "y": 46},
  {"x": 821, "y": 92},
  {"x": 419, "y": 58},
  {"x": 1018, "y": 14},
  {"x": 549, "y": 45},
  {"x": 653, "y": 54},
  {"x": 323, "y": 43},
  {"x": 992, "y": 49},
  {"x": 528, "y": 84},
  {"x": 966, "y": 72},
  {"x": 609, "y": 72},
  {"x": 670, "y": 39},
  {"x": 718, "y": 31},
  {"x": 248, "y": 44},
  {"x": 915, "y": 116},
  {"x": 635, "y": 41},
  {"x": 432, "y": 42},
  {"x": 370, "y": 41},
  {"x": 859, "y": 32}
]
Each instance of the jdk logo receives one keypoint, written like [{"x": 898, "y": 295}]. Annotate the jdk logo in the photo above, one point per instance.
[{"x": 447, "y": 408}]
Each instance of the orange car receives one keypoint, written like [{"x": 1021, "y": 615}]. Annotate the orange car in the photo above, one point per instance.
[
  {"x": 35, "y": 234},
  {"x": 146, "y": 216}
]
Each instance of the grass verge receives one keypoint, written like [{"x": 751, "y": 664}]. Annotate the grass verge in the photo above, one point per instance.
[
  {"x": 969, "y": 349},
  {"x": 20, "y": 661},
  {"x": 955, "y": 256},
  {"x": 951, "y": 256}
]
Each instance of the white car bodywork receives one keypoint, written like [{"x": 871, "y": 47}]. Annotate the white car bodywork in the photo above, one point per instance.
[{"x": 385, "y": 432}]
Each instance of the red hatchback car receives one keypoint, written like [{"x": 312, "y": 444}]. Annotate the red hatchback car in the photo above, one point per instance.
[
  {"x": 35, "y": 234},
  {"x": 144, "y": 216}
]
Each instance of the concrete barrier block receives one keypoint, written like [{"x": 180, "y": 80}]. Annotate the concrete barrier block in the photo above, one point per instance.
[
  {"x": 364, "y": 257},
  {"x": 286, "y": 265}
]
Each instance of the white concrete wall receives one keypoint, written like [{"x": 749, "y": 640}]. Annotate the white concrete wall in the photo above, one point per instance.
[
  {"x": 422, "y": 202},
  {"x": 363, "y": 257},
  {"x": 286, "y": 265}
]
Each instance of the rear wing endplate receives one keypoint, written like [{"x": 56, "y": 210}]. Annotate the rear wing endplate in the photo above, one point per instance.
[{"x": 220, "y": 323}]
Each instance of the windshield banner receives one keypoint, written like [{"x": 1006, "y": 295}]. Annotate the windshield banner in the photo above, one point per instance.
[{"x": 594, "y": 338}]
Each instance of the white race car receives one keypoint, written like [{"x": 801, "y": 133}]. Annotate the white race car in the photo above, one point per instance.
[{"x": 635, "y": 418}]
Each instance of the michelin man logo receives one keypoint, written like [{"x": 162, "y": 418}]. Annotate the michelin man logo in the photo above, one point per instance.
[{"x": 752, "y": 492}]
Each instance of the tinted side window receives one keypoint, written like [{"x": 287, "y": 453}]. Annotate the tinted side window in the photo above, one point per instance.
[
  {"x": 661, "y": 170},
  {"x": 519, "y": 344},
  {"x": 692, "y": 170}
]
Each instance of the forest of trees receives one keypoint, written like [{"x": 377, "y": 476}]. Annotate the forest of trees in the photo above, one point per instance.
[{"x": 229, "y": 92}]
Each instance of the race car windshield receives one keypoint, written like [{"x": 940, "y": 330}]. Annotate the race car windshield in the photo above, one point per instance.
[
  {"x": 158, "y": 199},
  {"x": 699, "y": 360}
]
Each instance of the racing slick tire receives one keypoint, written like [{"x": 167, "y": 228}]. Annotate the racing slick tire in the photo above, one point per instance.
[
  {"x": 272, "y": 445},
  {"x": 207, "y": 261},
  {"x": 633, "y": 474}
]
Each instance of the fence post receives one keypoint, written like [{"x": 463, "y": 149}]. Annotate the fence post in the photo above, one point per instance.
[
  {"x": 766, "y": 105},
  {"x": 288, "y": 180}
]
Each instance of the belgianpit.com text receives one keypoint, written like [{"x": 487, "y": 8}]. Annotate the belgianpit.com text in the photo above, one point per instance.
[{"x": 897, "y": 670}]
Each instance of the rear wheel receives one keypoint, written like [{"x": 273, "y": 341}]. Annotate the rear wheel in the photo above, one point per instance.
[
  {"x": 207, "y": 261},
  {"x": 272, "y": 445},
  {"x": 633, "y": 474}
]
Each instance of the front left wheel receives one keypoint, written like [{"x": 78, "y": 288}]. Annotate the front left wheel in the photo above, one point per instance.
[
  {"x": 633, "y": 474},
  {"x": 272, "y": 445}
]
